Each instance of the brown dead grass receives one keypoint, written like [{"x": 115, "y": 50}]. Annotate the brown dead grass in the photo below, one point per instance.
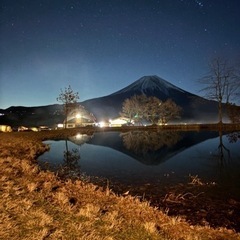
[{"x": 36, "y": 204}]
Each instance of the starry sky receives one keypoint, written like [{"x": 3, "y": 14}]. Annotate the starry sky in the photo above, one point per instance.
[{"x": 101, "y": 46}]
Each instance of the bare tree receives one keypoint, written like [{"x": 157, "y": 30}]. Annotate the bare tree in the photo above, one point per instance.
[
  {"x": 134, "y": 108},
  {"x": 169, "y": 110},
  {"x": 221, "y": 84},
  {"x": 142, "y": 110},
  {"x": 128, "y": 109},
  {"x": 152, "y": 109},
  {"x": 69, "y": 99}
]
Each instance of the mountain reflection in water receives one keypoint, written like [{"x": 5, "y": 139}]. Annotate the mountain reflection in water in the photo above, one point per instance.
[
  {"x": 171, "y": 169},
  {"x": 146, "y": 147}
]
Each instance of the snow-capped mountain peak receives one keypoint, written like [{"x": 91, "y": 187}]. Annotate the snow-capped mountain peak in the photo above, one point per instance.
[{"x": 150, "y": 83}]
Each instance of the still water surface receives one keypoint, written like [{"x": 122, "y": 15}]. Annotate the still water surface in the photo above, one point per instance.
[
  {"x": 192, "y": 174},
  {"x": 136, "y": 159}
]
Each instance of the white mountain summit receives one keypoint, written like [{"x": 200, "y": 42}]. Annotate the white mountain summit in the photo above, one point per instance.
[{"x": 147, "y": 84}]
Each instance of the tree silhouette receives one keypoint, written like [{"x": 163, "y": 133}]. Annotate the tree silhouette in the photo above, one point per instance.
[
  {"x": 152, "y": 109},
  {"x": 69, "y": 100},
  {"x": 169, "y": 110},
  {"x": 221, "y": 84}
]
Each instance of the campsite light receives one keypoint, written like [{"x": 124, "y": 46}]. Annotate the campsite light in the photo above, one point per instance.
[
  {"x": 78, "y": 136},
  {"x": 102, "y": 124}
]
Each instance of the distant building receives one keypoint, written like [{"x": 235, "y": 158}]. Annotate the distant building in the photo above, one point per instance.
[
  {"x": 5, "y": 128},
  {"x": 119, "y": 122}
]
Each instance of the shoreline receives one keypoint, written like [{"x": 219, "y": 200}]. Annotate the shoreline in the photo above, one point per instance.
[{"x": 38, "y": 205}]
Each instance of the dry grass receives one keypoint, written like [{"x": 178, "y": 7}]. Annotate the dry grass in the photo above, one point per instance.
[{"x": 37, "y": 205}]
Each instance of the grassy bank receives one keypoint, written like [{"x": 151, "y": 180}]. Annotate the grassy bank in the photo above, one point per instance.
[{"x": 36, "y": 204}]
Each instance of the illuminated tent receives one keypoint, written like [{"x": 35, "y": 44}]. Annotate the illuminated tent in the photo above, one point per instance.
[{"x": 80, "y": 117}]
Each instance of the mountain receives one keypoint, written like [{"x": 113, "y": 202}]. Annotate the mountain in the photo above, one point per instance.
[
  {"x": 195, "y": 108},
  {"x": 31, "y": 116},
  {"x": 150, "y": 85}
]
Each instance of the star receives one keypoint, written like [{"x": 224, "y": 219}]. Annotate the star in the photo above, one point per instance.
[{"x": 199, "y": 3}]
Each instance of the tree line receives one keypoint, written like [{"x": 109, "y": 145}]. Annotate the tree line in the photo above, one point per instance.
[{"x": 140, "y": 108}]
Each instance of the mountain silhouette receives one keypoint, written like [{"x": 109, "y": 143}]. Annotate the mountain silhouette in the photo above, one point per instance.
[{"x": 195, "y": 108}]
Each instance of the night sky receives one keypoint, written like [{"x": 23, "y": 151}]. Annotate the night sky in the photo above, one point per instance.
[{"x": 101, "y": 46}]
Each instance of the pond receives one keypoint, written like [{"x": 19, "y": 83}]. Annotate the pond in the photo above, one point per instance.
[{"x": 192, "y": 174}]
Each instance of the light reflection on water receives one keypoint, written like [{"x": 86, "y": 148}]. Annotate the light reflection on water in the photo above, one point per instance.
[{"x": 136, "y": 158}]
